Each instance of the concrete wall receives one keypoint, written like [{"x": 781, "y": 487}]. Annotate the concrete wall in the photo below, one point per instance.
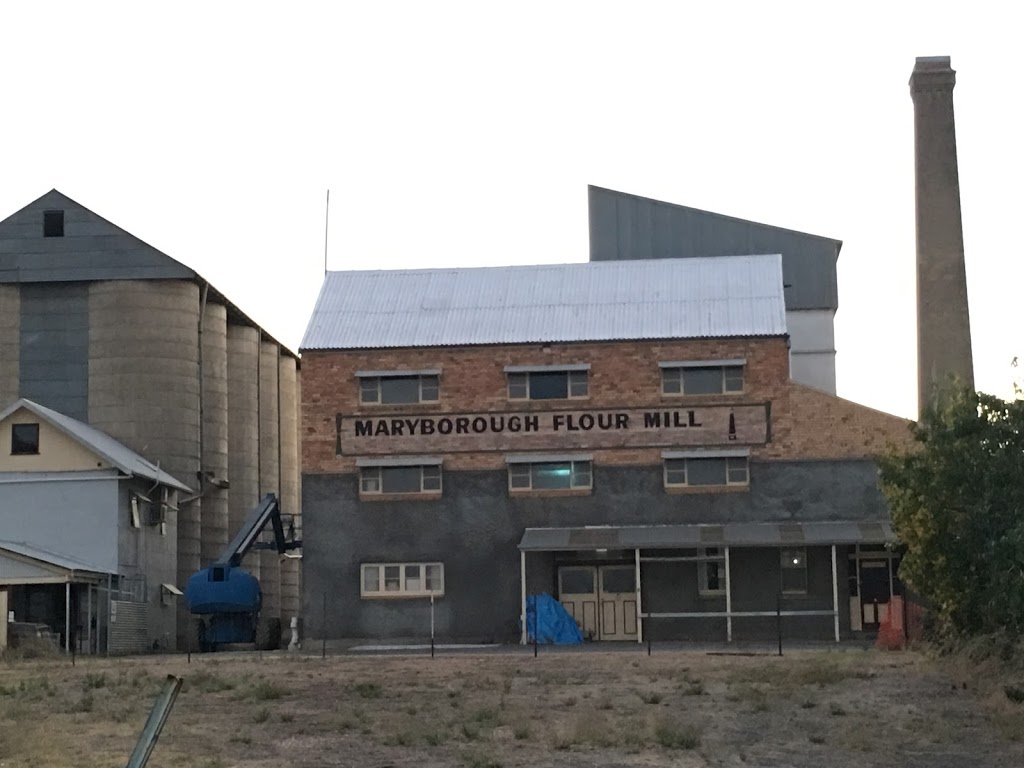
[
  {"x": 270, "y": 469},
  {"x": 476, "y": 527},
  {"x": 75, "y": 517},
  {"x": 10, "y": 343},
  {"x": 214, "y": 524},
  {"x": 149, "y": 552},
  {"x": 243, "y": 430},
  {"x": 57, "y": 451},
  {"x": 289, "y": 431},
  {"x": 54, "y": 347}
]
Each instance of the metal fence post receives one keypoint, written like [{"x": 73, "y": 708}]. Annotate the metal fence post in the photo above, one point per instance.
[
  {"x": 778, "y": 619},
  {"x": 431, "y": 626},
  {"x": 323, "y": 630}
]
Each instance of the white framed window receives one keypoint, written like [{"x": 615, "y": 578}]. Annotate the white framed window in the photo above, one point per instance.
[
  {"x": 399, "y": 388},
  {"x": 548, "y": 384},
  {"x": 679, "y": 379},
  {"x": 794, "y": 571},
  {"x": 418, "y": 478},
  {"x": 711, "y": 573},
  {"x": 550, "y": 475},
  {"x": 401, "y": 580},
  {"x": 707, "y": 471}
]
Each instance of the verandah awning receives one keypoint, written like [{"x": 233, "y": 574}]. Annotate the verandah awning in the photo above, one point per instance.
[{"x": 699, "y": 535}]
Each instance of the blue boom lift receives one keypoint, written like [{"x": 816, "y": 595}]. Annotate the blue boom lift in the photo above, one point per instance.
[{"x": 225, "y": 599}]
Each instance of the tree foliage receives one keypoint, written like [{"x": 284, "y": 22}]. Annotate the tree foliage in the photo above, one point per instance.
[{"x": 957, "y": 506}]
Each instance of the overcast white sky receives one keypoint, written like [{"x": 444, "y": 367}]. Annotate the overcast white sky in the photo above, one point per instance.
[{"x": 466, "y": 134}]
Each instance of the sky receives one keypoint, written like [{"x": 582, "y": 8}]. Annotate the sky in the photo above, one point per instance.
[{"x": 465, "y": 134}]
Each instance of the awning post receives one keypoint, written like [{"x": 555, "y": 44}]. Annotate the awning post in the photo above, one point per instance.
[
  {"x": 522, "y": 595},
  {"x": 728, "y": 598},
  {"x": 835, "y": 592},
  {"x": 639, "y": 609},
  {"x": 88, "y": 618},
  {"x": 67, "y": 617}
]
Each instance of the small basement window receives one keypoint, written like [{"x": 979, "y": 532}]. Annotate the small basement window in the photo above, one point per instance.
[
  {"x": 548, "y": 384},
  {"x": 711, "y": 573},
  {"x": 53, "y": 223},
  {"x": 701, "y": 380},
  {"x": 405, "y": 479},
  {"x": 709, "y": 471},
  {"x": 24, "y": 439},
  {"x": 794, "y": 571},
  {"x": 401, "y": 580},
  {"x": 550, "y": 475},
  {"x": 399, "y": 389}
]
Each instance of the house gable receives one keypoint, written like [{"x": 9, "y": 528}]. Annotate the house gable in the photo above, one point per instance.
[{"x": 58, "y": 452}]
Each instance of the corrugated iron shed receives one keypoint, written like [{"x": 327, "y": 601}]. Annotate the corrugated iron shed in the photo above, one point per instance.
[{"x": 738, "y": 296}]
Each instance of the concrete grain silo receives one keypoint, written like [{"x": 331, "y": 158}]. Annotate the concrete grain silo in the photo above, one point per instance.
[
  {"x": 143, "y": 386},
  {"x": 289, "y": 430},
  {"x": 269, "y": 465},
  {"x": 214, "y": 533},
  {"x": 243, "y": 430}
]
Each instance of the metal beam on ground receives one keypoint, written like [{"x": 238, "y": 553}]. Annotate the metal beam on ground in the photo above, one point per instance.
[{"x": 155, "y": 722}]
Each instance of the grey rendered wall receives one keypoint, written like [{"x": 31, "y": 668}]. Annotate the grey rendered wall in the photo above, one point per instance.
[
  {"x": 146, "y": 552},
  {"x": 54, "y": 347},
  {"x": 475, "y": 529},
  {"x": 812, "y": 348},
  {"x": 10, "y": 343},
  {"x": 69, "y": 517}
]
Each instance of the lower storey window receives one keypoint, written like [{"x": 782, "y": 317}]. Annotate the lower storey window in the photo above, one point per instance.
[
  {"x": 415, "y": 479},
  {"x": 549, "y": 475},
  {"x": 711, "y": 573},
  {"x": 402, "y": 579}
]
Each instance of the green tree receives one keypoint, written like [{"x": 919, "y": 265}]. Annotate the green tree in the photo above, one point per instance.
[{"x": 957, "y": 504}]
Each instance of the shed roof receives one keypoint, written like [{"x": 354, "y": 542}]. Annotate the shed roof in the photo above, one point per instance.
[
  {"x": 72, "y": 565},
  {"x": 100, "y": 443},
  {"x": 737, "y": 296},
  {"x": 699, "y": 535}
]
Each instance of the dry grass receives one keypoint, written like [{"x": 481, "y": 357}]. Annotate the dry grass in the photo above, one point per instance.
[{"x": 509, "y": 710}]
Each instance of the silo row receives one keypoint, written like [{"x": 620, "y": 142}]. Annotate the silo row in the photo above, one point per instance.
[
  {"x": 270, "y": 469},
  {"x": 243, "y": 429},
  {"x": 214, "y": 529}
]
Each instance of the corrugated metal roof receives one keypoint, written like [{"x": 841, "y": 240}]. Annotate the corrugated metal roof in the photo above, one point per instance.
[
  {"x": 595, "y": 301},
  {"x": 100, "y": 443},
  {"x": 52, "y": 558},
  {"x": 694, "y": 536}
]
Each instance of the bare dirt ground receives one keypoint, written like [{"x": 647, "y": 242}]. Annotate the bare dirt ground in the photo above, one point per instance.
[{"x": 812, "y": 708}]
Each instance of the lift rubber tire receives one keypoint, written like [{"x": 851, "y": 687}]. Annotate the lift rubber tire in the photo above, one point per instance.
[
  {"x": 196, "y": 635},
  {"x": 268, "y": 634}
]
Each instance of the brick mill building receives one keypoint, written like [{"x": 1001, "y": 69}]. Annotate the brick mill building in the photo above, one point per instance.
[{"x": 623, "y": 435}]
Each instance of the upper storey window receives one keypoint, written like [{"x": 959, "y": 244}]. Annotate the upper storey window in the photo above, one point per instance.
[
  {"x": 53, "y": 223},
  {"x": 702, "y": 377},
  {"x": 548, "y": 382},
  {"x": 24, "y": 439},
  {"x": 398, "y": 387}
]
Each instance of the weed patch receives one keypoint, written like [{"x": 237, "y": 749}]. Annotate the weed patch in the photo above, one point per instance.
[{"x": 672, "y": 735}]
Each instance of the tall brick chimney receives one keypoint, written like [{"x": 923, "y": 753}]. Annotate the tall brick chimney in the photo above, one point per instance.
[{"x": 943, "y": 319}]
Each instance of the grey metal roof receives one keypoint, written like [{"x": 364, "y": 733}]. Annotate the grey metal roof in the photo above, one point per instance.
[
  {"x": 693, "y": 536},
  {"x": 100, "y": 443},
  {"x": 624, "y": 226},
  {"x": 595, "y": 301},
  {"x": 57, "y": 559}
]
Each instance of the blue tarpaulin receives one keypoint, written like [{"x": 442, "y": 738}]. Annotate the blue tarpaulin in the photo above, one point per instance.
[{"x": 546, "y": 617}]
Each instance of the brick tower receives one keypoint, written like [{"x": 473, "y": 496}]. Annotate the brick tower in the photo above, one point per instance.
[{"x": 943, "y": 319}]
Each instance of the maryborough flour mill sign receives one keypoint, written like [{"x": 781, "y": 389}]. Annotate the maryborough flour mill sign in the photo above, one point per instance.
[{"x": 524, "y": 430}]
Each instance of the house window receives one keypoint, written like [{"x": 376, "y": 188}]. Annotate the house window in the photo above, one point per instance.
[
  {"x": 794, "y": 571},
  {"x": 548, "y": 385},
  {"x": 549, "y": 475},
  {"x": 402, "y": 580},
  {"x": 702, "y": 380},
  {"x": 424, "y": 478},
  {"x": 705, "y": 471},
  {"x": 24, "y": 439},
  {"x": 711, "y": 573},
  {"x": 53, "y": 223},
  {"x": 399, "y": 389}
]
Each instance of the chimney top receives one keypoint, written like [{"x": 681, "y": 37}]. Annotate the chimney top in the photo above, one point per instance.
[{"x": 932, "y": 73}]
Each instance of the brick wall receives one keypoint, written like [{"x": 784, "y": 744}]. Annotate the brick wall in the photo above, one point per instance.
[{"x": 473, "y": 379}]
